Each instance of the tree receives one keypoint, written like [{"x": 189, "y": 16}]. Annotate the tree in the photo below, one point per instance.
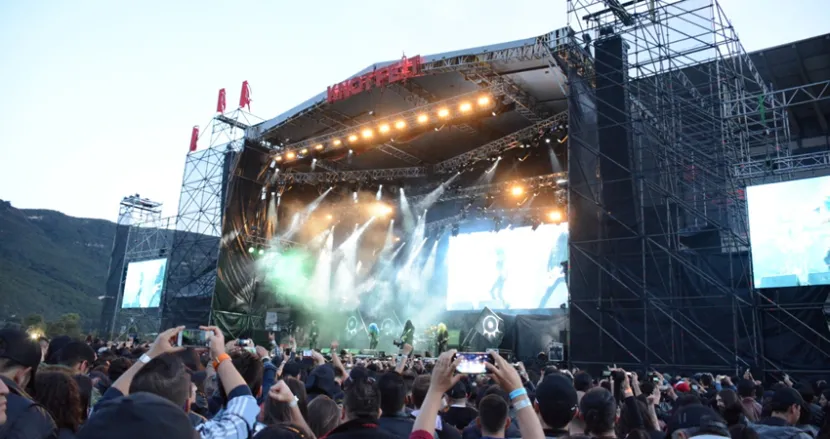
[
  {"x": 35, "y": 323},
  {"x": 68, "y": 324}
]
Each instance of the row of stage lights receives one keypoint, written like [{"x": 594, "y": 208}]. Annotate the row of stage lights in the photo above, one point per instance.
[{"x": 386, "y": 129}]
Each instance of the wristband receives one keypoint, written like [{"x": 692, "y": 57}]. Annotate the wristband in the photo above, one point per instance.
[
  {"x": 219, "y": 360},
  {"x": 525, "y": 403},
  {"x": 518, "y": 392},
  {"x": 294, "y": 402},
  {"x": 144, "y": 358}
]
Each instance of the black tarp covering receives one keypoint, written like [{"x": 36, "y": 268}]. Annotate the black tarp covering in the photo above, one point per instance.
[{"x": 115, "y": 276}]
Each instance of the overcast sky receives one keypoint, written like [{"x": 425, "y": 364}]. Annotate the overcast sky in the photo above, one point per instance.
[{"x": 99, "y": 96}]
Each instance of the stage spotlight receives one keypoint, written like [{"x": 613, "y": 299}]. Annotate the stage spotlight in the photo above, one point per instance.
[
  {"x": 304, "y": 151},
  {"x": 400, "y": 124},
  {"x": 353, "y": 138},
  {"x": 493, "y": 113},
  {"x": 443, "y": 112},
  {"x": 484, "y": 100},
  {"x": 251, "y": 250},
  {"x": 547, "y": 139},
  {"x": 423, "y": 118},
  {"x": 561, "y": 182},
  {"x": 278, "y": 158},
  {"x": 329, "y": 217},
  {"x": 336, "y": 142},
  {"x": 465, "y": 107},
  {"x": 354, "y": 196},
  {"x": 319, "y": 146},
  {"x": 379, "y": 194},
  {"x": 367, "y": 134},
  {"x": 555, "y": 216},
  {"x": 290, "y": 156},
  {"x": 517, "y": 191},
  {"x": 383, "y": 128},
  {"x": 261, "y": 251},
  {"x": 381, "y": 209}
]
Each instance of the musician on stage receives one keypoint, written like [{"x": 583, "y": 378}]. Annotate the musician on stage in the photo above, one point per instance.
[
  {"x": 374, "y": 332},
  {"x": 407, "y": 336},
  {"x": 442, "y": 337},
  {"x": 313, "y": 332}
]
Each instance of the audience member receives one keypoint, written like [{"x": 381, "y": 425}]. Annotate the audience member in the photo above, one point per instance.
[
  {"x": 60, "y": 394},
  {"x": 323, "y": 415},
  {"x": 19, "y": 360}
]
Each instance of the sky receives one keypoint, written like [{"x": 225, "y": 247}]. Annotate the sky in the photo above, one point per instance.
[{"x": 100, "y": 96}]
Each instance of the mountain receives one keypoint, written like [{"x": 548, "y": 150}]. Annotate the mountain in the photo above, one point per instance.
[{"x": 52, "y": 264}]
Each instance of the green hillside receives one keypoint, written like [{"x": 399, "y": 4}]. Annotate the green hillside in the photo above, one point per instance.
[{"x": 52, "y": 264}]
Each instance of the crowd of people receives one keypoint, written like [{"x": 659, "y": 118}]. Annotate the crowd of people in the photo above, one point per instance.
[{"x": 64, "y": 388}]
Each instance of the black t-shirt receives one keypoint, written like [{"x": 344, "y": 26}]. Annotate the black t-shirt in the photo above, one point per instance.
[{"x": 459, "y": 417}]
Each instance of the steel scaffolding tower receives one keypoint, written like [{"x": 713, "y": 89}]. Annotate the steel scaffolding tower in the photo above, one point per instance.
[
  {"x": 664, "y": 107},
  {"x": 192, "y": 268}
]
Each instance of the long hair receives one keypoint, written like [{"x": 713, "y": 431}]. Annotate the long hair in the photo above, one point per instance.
[
  {"x": 56, "y": 390},
  {"x": 280, "y": 412},
  {"x": 730, "y": 407},
  {"x": 323, "y": 415}
]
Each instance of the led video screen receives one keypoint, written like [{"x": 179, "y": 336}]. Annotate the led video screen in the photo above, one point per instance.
[
  {"x": 517, "y": 268},
  {"x": 789, "y": 233},
  {"x": 144, "y": 284}
]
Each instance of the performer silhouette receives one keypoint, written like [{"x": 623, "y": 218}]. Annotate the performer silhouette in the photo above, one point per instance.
[
  {"x": 374, "y": 331},
  {"x": 497, "y": 291},
  {"x": 313, "y": 332},
  {"x": 408, "y": 334},
  {"x": 442, "y": 338}
]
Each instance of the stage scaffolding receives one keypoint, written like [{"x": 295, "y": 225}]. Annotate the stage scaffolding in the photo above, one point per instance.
[
  {"x": 150, "y": 239},
  {"x": 665, "y": 107},
  {"x": 192, "y": 268}
]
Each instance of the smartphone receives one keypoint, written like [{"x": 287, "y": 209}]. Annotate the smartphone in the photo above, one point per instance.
[
  {"x": 694, "y": 387},
  {"x": 606, "y": 373},
  {"x": 242, "y": 342},
  {"x": 193, "y": 338},
  {"x": 308, "y": 353},
  {"x": 656, "y": 379},
  {"x": 472, "y": 363}
]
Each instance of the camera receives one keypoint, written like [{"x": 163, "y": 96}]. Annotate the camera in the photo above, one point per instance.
[{"x": 398, "y": 342}]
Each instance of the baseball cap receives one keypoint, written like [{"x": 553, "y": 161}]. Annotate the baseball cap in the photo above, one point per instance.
[
  {"x": 458, "y": 391},
  {"x": 683, "y": 387},
  {"x": 16, "y": 345},
  {"x": 137, "y": 416},
  {"x": 783, "y": 398},
  {"x": 556, "y": 392}
]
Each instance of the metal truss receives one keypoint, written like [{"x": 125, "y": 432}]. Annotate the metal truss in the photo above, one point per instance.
[
  {"x": 409, "y": 117},
  {"x": 526, "y": 105},
  {"x": 338, "y": 177},
  {"x": 535, "y": 49},
  {"x": 782, "y": 165},
  {"x": 684, "y": 166},
  {"x": 755, "y": 104},
  {"x": 418, "y": 96},
  {"x": 530, "y": 186},
  {"x": 498, "y": 146},
  {"x": 194, "y": 257},
  {"x": 259, "y": 242}
]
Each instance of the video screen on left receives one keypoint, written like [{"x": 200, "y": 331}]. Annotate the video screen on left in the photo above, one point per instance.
[{"x": 144, "y": 284}]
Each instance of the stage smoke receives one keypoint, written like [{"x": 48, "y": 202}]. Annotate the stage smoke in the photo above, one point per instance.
[
  {"x": 300, "y": 218},
  {"x": 433, "y": 196},
  {"x": 554, "y": 161}
]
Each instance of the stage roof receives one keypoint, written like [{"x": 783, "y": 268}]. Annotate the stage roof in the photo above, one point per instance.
[
  {"x": 531, "y": 78},
  {"x": 796, "y": 64},
  {"x": 524, "y": 69}
]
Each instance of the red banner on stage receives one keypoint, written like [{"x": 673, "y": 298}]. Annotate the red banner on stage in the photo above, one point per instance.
[
  {"x": 404, "y": 69},
  {"x": 220, "y": 103},
  {"x": 194, "y": 138},
  {"x": 245, "y": 96}
]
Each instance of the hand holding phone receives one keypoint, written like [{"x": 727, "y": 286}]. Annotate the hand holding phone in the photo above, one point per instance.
[
  {"x": 472, "y": 363},
  {"x": 193, "y": 338}
]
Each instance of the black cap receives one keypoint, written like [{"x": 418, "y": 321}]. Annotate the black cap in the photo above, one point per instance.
[
  {"x": 458, "y": 391},
  {"x": 784, "y": 398},
  {"x": 556, "y": 391},
  {"x": 16, "y": 345},
  {"x": 137, "y": 416}
]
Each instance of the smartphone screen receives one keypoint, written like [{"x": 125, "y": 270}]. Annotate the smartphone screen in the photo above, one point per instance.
[
  {"x": 308, "y": 353},
  {"x": 606, "y": 373},
  {"x": 472, "y": 363},
  {"x": 194, "y": 338}
]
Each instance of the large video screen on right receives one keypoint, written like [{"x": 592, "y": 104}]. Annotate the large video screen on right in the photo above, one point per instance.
[
  {"x": 517, "y": 268},
  {"x": 789, "y": 233}
]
